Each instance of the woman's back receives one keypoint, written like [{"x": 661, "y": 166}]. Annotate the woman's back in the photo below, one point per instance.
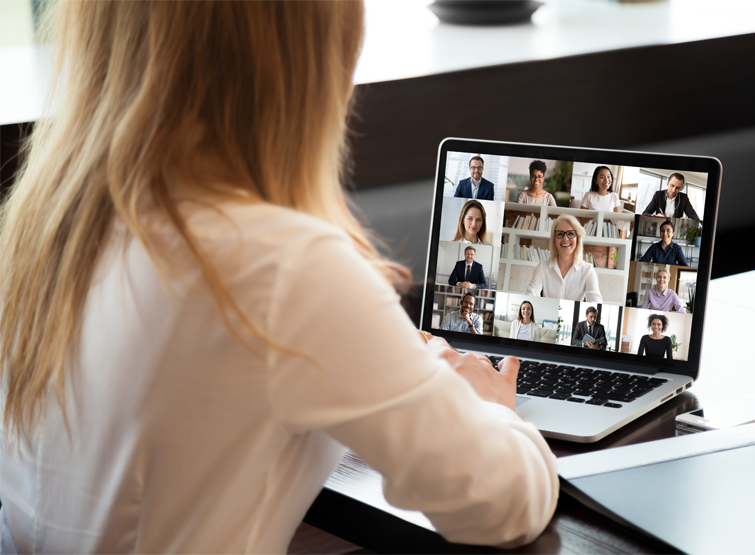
[{"x": 174, "y": 445}]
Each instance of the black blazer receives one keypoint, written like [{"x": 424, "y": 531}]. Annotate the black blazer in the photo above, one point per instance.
[
  {"x": 598, "y": 333},
  {"x": 683, "y": 206},
  {"x": 476, "y": 275}
]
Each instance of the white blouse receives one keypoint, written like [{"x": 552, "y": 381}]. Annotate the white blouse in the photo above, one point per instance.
[
  {"x": 580, "y": 283},
  {"x": 517, "y": 331},
  {"x": 594, "y": 201},
  {"x": 183, "y": 440},
  {"x": 479, "y": 242}
]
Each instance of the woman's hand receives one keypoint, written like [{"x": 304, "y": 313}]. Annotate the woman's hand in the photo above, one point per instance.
[{"x": 498, "y": 387}]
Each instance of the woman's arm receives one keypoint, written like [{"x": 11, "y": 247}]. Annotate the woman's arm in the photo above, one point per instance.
[
  {"x": 641, "y": 350},
  {"x": 680, "y": 260},
  {"x": 592, "y": 288},
  {"x": 537, "y": 281},
  {"x": 492, "y": 480},
  {"x": 514, "y": 331},
  {"x": 669, "y": 349}
]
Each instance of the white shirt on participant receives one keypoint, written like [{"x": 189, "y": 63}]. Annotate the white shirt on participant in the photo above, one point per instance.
[
  {"x": 594, "y": 201},
  {"x": 670, "y": 206},
  {"x": 580, "y": 283},
  {"x": 182, "y": 440}
]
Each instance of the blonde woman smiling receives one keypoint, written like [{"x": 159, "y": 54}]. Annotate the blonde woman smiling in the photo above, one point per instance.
[
  {"x": 472, "y": 226},
  {"x": 566, "y": 275},
  {"x": 175, "y": 378}
]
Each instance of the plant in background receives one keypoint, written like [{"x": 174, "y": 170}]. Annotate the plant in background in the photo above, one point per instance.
[
  {"x": 451, "y": 182},
  {"x": 560, "y": 178},
  {"x": 615, "y": 258},
  {"x": 693, "y": 233},
  {"x": 674, "y": 343}
]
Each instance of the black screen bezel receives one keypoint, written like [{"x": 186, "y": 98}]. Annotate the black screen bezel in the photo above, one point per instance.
[{"x": 562, "y": 353}]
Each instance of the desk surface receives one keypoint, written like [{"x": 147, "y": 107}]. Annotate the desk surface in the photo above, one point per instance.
[
  {"x": 403, "y": 39},
  {"x": 726, "y": 370}
]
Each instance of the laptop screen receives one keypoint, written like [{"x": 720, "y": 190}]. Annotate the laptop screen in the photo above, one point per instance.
[{"x": 558, "y": 249}]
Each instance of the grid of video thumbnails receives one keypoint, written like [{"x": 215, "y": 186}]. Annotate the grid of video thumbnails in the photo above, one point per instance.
[{"x": 569, "y": 253}]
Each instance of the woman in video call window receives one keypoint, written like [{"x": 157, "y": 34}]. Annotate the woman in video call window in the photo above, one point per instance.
[
  {"x": 656, "y": 344},
  {"x": 601, "y": 195},
  {"x": 565, "y": 275},
  {"x": 536, "y": 194},
  {"x": 472, "y": 227},
  {"x": 524, "y": 327},
  {"x": 661, "y": 297},
  {"x": 665, "y": 251}
]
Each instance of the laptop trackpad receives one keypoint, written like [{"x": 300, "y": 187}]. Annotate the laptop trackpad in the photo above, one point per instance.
[{"x": 520, "y": 400}]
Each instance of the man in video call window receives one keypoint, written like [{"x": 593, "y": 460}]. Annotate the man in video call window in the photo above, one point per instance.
[
  {"x": 468, "y": 273},
  {"x": 463, "y": 320},
  {"x": 671, "y": 203},
  {"x": 590, "y": 327},
  {"x": 475, "y": 186}
]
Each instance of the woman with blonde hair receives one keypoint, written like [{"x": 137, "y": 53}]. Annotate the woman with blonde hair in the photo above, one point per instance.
[
  {"x": 566, "y": 275},
  {"x": 177, "y": 375},
  {"x": 472, "y": 226}
]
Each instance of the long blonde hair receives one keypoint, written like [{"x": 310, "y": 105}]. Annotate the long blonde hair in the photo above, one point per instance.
[{"x": 147, "y": 95}]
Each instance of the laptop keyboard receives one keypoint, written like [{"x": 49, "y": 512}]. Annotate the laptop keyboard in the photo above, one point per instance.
[{"x": 580, "y": 385}]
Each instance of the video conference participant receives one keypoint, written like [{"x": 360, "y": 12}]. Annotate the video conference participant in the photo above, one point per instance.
[
  {"x": 524, "y": 327},
  {"x": 665, "y": 251},
  {"x": 601, "y": 195},
  {"x": 566, "y": 275},
  {"x": 472, "y": 225},
  {"x": 671, "y": 203},
  {"x": 536, "y": 194},
  {"x": 475, "y": 186},
  {"x": 468, "y": 273},
  {"x": 661, "y": 297},
  {"x": 463, "y": 320},
  {"x": 589, "y": 326},
  {"x": 656, "y": 344}
]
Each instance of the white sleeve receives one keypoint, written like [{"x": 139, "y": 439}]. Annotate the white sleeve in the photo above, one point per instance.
[
  {"x": 364, "y": 376},
  {"x": 514, "y": 329},
  {"x": 617, "y": 202},
  {"x": 537, "y": 281},
  {"x": 592, "y": 289}
]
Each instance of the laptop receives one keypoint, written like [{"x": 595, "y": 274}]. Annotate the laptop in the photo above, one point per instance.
[{"x": 591, "y": 266}]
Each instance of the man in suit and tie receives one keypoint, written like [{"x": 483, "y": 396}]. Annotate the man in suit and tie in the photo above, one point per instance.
[
  {"x": 671, "y": 203},
  {"x": 468, "y": 273},
  {"x": 590, "y": 327},
  {"x": 475, "y": 186}
]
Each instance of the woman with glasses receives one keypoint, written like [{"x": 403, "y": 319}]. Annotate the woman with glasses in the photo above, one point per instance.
[
  {"x": 565, "y": 275},
  {"x": 601, "y": 195},
  {"x": 193, "y": 324},
  {"x": 472, "y": 225},
  {"x": 535, "y": 194}
]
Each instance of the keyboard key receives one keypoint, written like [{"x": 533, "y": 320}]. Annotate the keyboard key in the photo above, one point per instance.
[
  {"x": 561, "y": 396},
  {"x": 596, "y": 401},
  {"x": 575, "y": 400},
  {"x": 613, "y": 405},
  {"x": 541, "y": 393}
]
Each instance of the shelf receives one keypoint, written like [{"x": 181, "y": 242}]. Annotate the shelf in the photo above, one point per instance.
[
  {"x": 606, "y": 242},
  {"x": 521, "y": 262},
  {"x": 610, "y": 272},
  {"x": 526, "y": 233}
]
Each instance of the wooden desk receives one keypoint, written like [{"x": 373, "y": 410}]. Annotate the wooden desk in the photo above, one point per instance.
[{"x": 726, "y": 369}]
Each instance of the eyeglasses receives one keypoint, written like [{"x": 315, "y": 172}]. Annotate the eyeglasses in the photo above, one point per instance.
[
  {"x": 537, "y": 177},
  {"x": 476, "y": 167},
  {"x": 571, "y": 234}
]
